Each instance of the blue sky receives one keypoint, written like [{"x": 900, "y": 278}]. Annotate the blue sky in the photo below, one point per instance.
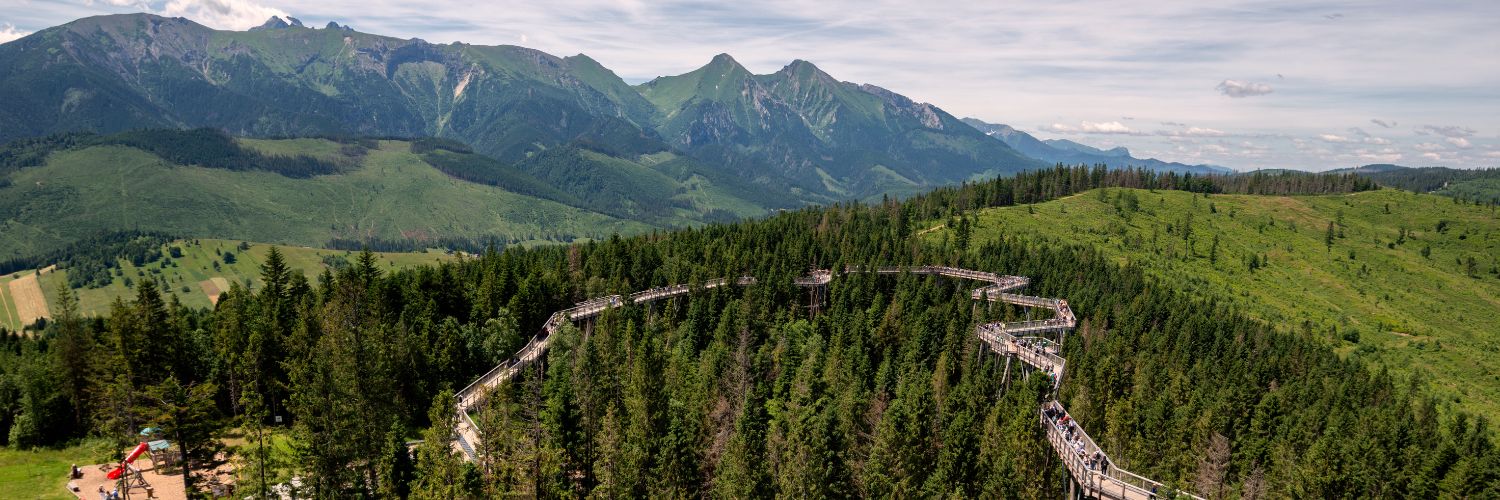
[{"x": 1266, "y": 84}]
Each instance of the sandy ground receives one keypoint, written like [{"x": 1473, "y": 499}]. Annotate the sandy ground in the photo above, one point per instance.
[
  {"x": 30, "y": 303},
  {"x": 164, "y": 486}
]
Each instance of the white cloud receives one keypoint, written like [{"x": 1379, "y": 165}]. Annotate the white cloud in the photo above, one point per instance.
[
  {"x": 224, "y": 14},
  {"x": 9, "y": 32},
  {"x": 1106, "y": 128},
  {"x": 1366, "y": 138},
  {"x": 1193, "y": 132},
  {"x": 1338, "y": 139},
  {"x": 1449, "y": 130},
  {"x": 1236, "y": 88},
  {"x": 1459, "y": 142},
  {"x": 1383, "y": 155},
  {"x": 1432, "y": 156},
  {"x": 1087, "y": 127},
  {"x": 1428, "y": 147},
  {"x": 1492, "y": 154}
]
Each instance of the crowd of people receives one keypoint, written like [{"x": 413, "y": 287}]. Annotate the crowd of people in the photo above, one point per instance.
[{"x": 1073, "y": 438}]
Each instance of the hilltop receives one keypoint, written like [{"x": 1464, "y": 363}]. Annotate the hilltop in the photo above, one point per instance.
[{"x": 1410, "y": 282}]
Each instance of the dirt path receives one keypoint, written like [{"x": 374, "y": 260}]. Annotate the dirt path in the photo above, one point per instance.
[
  {"x": 30, "y": 303},
  {"x": 931, "y": 229}
]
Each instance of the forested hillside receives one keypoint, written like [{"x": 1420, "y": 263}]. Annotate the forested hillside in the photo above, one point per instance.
[
  {"x": 299, "y": 191},
  {"x": 1406, "y": 281},
  {"x": 882, "y": 392},
  {"x": 197, "y": 271},
  {"x": 1478, "y": 186}
]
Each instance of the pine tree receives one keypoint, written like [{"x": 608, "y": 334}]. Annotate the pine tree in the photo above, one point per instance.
[
  {"x": 74, "y": 347},
  {"x": 440, "y": 473},
  {"x": 187, "y": 416}
]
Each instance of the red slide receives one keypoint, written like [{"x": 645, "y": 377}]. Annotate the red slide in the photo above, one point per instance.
[{"x": 134, "y": 454}]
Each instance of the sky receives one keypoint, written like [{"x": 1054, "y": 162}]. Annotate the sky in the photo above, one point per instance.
[{"x": 1312, "y": 85}]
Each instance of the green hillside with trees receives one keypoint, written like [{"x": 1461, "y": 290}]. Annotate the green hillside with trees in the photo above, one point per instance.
[
  {"x": 1474, "y": 185},
  {"x": 179, "y": 267},
  {"x": 1405, "y": 281},
  {"x": 797, "y": 134},
  {"x": 884, "y": 392},
  {"x": 380, "y": 192}
]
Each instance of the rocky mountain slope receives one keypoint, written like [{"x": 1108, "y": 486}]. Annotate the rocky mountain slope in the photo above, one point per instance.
[{"x": 797, "y": 131}]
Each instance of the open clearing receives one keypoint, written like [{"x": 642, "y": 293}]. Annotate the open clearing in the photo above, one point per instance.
[
  {"x": 214, "y": 288},
  {"x": 43, "y": 473},
  {"x": 31, "y": 304},
  {"x": 7, "y": 305},
  {"x": 204, "y": 261}
]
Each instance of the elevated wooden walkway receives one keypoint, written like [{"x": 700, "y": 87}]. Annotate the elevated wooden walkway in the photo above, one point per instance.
[{"x": 1093, "y": 473}]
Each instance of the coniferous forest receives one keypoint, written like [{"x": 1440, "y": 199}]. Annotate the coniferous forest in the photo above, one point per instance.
[{"x": 880, "y": 391}]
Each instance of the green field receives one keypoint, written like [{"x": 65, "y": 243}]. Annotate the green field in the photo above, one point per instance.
[
  {"x": 390, "y": 195},
  {"x": 8, "y": 314},
  {"x": 1373, "y": 294},
  {"x": 184, "y": 275},
  {"x": 43, "y": 473}
]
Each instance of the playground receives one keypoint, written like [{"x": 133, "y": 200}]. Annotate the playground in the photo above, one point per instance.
[
  {"x": 149, "y": 470},
  {"x": 165, "y": 485}
]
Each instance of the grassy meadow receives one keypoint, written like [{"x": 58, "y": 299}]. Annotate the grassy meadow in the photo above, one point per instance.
[
  {"x": 1410, "y": 282},
  {"x": 43, "y": 473}
]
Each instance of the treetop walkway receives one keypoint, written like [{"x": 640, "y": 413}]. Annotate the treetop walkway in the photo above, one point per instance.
[{"x": 1091, "y": 470}]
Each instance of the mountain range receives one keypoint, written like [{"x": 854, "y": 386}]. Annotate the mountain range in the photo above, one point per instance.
[
  {"x": 1067, "y": 152},
  {"x": 797, "y": 131},
  {"x": 717, "y": 143}
]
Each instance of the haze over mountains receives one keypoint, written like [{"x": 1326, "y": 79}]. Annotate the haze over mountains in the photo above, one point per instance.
[{"x": 1072, "y": 153}]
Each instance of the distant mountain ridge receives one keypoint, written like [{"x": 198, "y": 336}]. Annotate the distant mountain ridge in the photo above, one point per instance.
[
  {"x": 1476, "y": 185},
  {"x": 1053, "y": 151},
  {"x": 797, "y": 131}
]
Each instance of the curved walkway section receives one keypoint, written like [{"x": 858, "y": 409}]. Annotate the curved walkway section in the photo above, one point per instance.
[{"x": 1091, "y": 469}]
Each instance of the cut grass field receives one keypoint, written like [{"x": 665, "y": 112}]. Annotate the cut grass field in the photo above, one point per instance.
[
  {"x": 30, "y": 304},
  {"x": 1372, "y": 294},
  {"x": 203, "y": 261},
  {"x": 43, "y": 473}
]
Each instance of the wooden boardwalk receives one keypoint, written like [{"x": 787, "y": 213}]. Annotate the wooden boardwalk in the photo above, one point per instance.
[{"x": 1093, "y": 473}]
